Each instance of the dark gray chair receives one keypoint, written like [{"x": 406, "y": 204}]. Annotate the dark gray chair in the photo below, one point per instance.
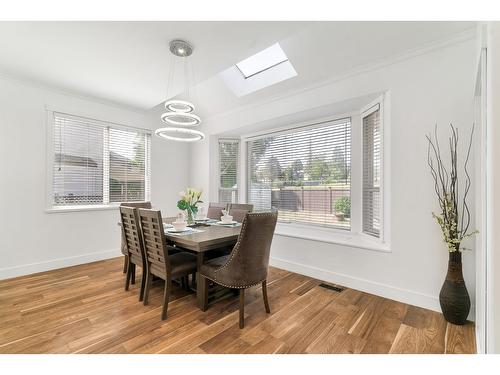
[
  {"x": 215, "y": 210},
  {"x": 123, "y": 246},
  {"x": 135, "y": 256},
  {"x": 159, "y": 262},
  {"x": 248, "y": 263},
  {"x": 238, "y": 211}
]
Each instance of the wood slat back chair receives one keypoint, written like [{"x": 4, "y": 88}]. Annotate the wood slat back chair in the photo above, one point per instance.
[
  {"x": 239, "y": 210},
  {"x": 123, "y": 247},
  {"x": 159, "y": 262},
  {"x": 131, "y": 233},
  {"x": 215, "y": 210},
  {"x": 248, "y": 263}
]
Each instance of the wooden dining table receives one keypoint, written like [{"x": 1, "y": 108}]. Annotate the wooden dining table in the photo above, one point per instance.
[{"x": 205, "y": 239}]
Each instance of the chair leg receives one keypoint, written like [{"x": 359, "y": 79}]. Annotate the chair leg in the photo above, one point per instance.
[
  {"x": 143, "y": 284},
  {"x": 149, "y": 279},
  {"x": 125, "y": 263},
  {"x": 166, "y": 297},
  {"x": 128, "y": 275},
  {"x": 264, "y": 294},
  {"x": 242, "y": 308},
  {"x": 133, "y": 274}
]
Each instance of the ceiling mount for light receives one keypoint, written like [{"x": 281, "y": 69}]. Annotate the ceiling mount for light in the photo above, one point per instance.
[
  {"x": 180, "y": 113},
  {"x": 181, "y": 48}
]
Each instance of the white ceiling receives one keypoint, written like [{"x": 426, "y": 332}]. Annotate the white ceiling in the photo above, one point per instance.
[{"x": 128, "y": 62}]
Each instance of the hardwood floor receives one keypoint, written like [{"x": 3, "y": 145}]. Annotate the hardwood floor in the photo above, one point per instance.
[{"x": 84, "y": 309}]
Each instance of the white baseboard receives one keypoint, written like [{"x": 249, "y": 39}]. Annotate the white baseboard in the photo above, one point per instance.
[
  {"x": 387, "y": 291},
  {"x": 27, "y": 269}
]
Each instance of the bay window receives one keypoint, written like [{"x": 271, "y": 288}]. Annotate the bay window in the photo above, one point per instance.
[{"x": 326, "y": 174}]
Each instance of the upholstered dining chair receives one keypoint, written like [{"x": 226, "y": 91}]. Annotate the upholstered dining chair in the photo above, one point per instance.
[
  {"x": 239, "y": 210},
  {"x": 159, "y": 262},
  {"x": 215, "y": 210},
  {"x": 135, "y": 256},
  {"x": 123, "y": 247},
  {"x": 248, "y": 263}
]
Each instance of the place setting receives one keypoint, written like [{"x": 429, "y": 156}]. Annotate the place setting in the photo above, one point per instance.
[
  {"x": 226, "y": 220},
  {"x": 180, "y": 226},
  {"x": 201, "y": 218}
]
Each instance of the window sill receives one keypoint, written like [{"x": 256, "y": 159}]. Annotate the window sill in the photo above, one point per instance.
[
  {"x": 334, "y": 236},
  {"x": 81, "y": 208}
]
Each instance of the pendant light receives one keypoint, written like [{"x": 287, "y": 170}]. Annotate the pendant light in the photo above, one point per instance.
[{"x": 179, "y": 116}]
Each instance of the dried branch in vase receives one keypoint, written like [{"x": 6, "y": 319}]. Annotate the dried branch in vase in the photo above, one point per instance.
[{"x": 455, "y": 217}]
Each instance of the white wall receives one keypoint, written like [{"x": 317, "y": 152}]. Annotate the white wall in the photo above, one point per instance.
[
  {"x": 33, "y": 240},
  {"x": 493, "y": 195},
  {"x": 433, "y": 87}
]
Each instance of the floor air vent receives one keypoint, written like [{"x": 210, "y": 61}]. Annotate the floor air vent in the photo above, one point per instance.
[{"x": 335, "y": 288}]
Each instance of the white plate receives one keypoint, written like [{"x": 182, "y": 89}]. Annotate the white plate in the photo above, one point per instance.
[
  {"x": 178, "y": 231},
  {"x": 165, "y": 225},
  {"x": 230, "y": 223}
]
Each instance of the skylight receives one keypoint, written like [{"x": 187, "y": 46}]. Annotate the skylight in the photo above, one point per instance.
[
  {"x": 264, "y": 69},
  {"x": 261, "y": 61}
]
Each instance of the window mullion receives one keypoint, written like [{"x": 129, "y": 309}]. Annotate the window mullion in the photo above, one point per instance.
[
  {"x": 147, "y": 167},
  {"x": 105, "y": 158}
]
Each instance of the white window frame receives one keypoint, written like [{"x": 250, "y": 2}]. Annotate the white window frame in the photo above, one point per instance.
[
  {"x": 354, "y": 237},
  {"x": 365, "y": 112},
  {"x": 238, "y": 166},
  {"x": 371, "y": 107},
  {"x": 49, "y": 163}
]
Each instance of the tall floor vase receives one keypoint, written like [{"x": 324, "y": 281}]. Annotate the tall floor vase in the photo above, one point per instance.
[{"x": 454, "y": 298}]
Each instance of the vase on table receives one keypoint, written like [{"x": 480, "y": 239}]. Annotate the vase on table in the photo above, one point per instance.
[
  {"x": 190, "y": 218},
  {"x": 454, "y": 298},
  {"x": 188, "y": 202}
]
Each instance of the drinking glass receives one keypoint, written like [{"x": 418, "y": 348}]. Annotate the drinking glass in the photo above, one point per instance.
[
  {"x": 202, "y": 213},
  {"x": 180, "y": 217}
]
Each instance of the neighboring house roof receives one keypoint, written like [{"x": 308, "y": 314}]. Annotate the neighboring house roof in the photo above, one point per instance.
[
  {"x": 77, "y": 161},
  {"x": 122, "y": 169}
]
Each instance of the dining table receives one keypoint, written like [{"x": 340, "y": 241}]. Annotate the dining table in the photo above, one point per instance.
[{"x": 205, "y": 236}]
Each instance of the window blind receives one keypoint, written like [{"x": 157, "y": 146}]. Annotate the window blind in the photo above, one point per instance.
[
  {"x": 304, "y": 173},
  {"x": 228, "y": 170},
  {"x": 371, "y": 172},
  {"x": 96, "y": 162}
]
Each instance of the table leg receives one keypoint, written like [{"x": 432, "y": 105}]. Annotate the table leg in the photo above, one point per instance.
[{"x": 199, "y": 288}]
